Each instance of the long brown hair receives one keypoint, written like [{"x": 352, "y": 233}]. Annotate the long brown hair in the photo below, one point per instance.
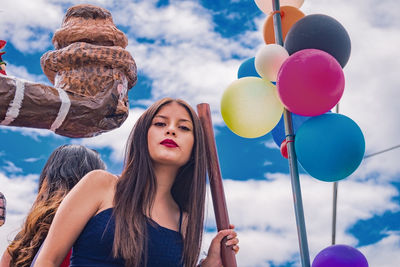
[
  {"x": 64, "y": 168},
  {"x": 135, "y": 192}
]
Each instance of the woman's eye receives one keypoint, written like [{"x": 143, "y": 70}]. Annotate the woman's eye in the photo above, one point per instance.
[
  {"x": 184, "y": 128},
  {"x": 160, "y": 124}
]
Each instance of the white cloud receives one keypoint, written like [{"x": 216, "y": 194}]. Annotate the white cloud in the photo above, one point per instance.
[
  {"x": 29, "y": 28},
  {"x": 10, "y": 167},
  {"x": 33, "y": 159},
  {"x": 385, "y": 253},
  {"x": 382, "y": 167},
  {"x": 180, "y": 21},
  {"x": 33, "y": 133},
  {"x": 267, "y": 163},
  {"x": 22, "y": 73},
  {"x": 20, "y": 192},
  {"x": 271, "y": 144}
]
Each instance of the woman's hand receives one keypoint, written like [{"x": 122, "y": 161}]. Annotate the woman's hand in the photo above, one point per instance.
[{"x": 213, "y": 258}]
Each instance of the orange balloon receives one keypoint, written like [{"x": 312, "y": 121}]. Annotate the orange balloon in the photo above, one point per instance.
[{"x": 289, "y": 16}]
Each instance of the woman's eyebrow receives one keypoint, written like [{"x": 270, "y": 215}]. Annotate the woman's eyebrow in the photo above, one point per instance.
[
  {"x": 161, "y": 116},
  {"x": 165, "y": 117}
]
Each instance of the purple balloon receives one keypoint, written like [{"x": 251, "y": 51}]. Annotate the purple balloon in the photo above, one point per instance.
[{"x": 340, "y": 256}]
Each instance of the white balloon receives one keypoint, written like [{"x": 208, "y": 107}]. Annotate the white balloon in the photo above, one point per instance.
[
  {"x": 266, "y": 5},
  {"x": 269, "y": 60}
]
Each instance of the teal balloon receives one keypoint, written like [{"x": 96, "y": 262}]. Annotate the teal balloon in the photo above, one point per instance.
[
  {"x": 329, "y": 147},
  {"x": 248, "y": 69}
]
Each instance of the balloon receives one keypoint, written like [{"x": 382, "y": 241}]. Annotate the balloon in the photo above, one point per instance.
[
  {"x": 250, "y": 107},
  {"x": 289, "y": 16},
  {"x": 284, "y": 150},
  {"x": 310, "y": 82},
  {"x": 320, "y": 32},
  {"x": 330, "y": 147},
  {"x": 247, "y": 69},
  {"x": 266, "y": 5},
  {"x": 340, "y": 256},
  {"x": 278, "y": 133},
  {"x": 269, "y": 59}
]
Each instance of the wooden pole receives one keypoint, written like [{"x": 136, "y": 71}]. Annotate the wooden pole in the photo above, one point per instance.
[{"x": 217, "y": 188}]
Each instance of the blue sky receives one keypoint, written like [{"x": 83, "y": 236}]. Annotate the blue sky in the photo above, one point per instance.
[{"x": 192, "y": 50}]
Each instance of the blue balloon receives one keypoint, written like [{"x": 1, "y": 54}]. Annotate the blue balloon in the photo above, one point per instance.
[
  {"x": 248, "y": 69},
  {"x": 278, "y": 133},
  {"x": 330, "y": 147}
]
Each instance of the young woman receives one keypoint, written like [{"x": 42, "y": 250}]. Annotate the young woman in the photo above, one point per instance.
[
  {"x": 152, "y": 215},
  {"x": 64, "y": 168}
]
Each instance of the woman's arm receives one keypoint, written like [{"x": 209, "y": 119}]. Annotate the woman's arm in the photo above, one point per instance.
[
  {"x": 5, "y": 259},
  {"x": 88, "y": 197}
]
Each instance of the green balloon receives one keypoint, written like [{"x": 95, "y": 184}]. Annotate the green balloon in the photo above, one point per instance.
[{"x": 250, "y": 107}]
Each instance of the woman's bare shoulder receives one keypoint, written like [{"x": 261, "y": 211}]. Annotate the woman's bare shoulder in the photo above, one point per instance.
[
  {"x": 100, "y": 178},
  {"x": 99, "y": 186}
]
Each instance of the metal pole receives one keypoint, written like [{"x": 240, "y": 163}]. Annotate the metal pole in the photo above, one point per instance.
[
  {"x": 334, "y": 211},
  {"x": 294, "y": 173},
  {"x": 382, "y": 151},
  {"x": 335, "y": 195}
]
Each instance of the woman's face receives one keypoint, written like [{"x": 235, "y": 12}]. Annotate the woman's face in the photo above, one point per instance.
[{"x": 170, "y": 137}]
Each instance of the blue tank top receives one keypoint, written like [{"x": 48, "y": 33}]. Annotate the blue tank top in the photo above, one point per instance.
[{"x": 94, "y": 245}]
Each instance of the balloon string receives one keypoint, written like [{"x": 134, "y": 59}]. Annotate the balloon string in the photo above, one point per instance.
[
  {"x": 276, "y": 12},
  {"x": 290, "y": 135}
]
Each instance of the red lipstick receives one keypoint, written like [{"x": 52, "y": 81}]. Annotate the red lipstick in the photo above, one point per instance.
[{"x": 169, "y": 143}]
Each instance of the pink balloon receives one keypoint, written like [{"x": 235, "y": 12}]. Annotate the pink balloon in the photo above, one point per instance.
[{"x": 310, "y": 82}]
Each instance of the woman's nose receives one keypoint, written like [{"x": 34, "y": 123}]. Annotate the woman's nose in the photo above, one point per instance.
[{"x": 171, "y": 132}]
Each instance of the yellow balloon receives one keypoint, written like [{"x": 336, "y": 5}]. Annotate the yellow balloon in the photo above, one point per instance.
[{"x": 250, "y": 107}]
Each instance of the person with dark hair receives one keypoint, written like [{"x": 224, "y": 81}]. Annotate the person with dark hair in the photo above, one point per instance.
[
  {"x": 152, "y": 215},
  {"x": 3, "y": 204},
  {"x": 64, "y": 168}
]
